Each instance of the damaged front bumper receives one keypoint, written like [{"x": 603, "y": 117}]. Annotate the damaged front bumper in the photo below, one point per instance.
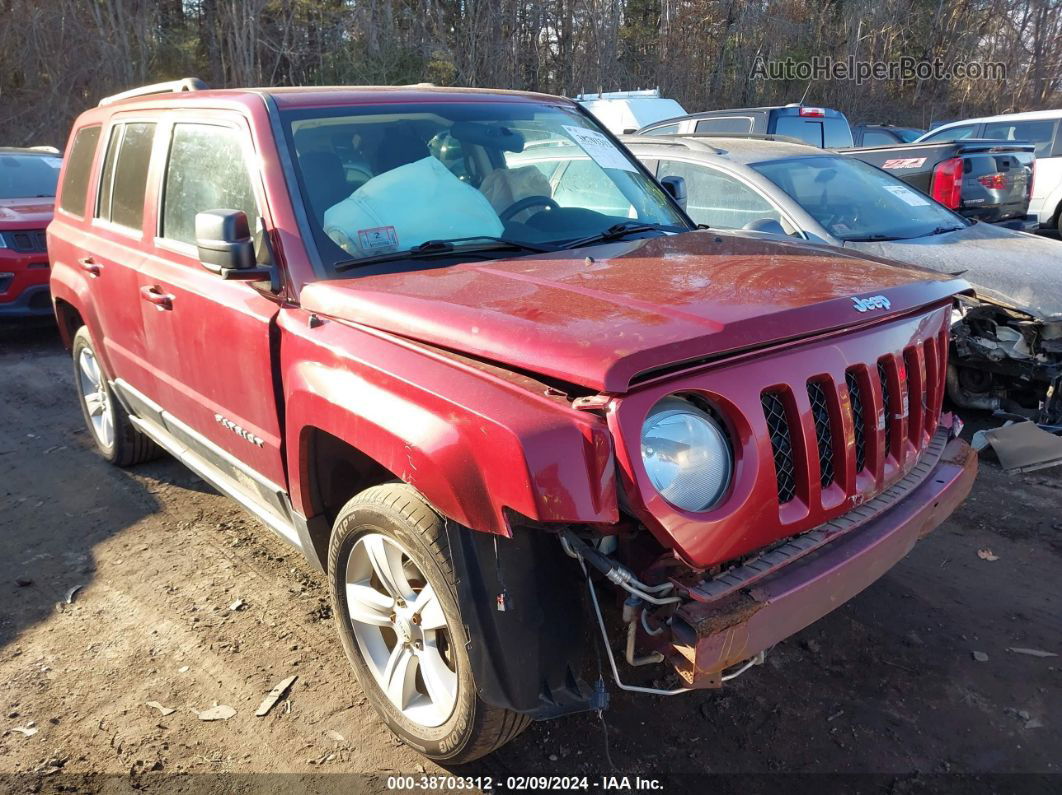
[{"x": 744, "y": 612}]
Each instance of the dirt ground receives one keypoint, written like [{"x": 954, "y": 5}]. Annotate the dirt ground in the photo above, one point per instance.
[{"x": 888, "y": 684}]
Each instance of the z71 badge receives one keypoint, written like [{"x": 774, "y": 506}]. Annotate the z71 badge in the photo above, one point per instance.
[
  {"x": 874, "y": 302},
  {"x": 904, "y": 162}
]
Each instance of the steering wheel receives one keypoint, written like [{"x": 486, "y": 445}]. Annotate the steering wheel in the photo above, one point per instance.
[
  {"x": 840, "y": 215},
  {"x": 526, "y": 203}
]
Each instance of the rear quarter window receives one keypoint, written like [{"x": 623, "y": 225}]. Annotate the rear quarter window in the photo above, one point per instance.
[
  {"x": 74, "y": 188},
  {"x": 725, "y": 124}
]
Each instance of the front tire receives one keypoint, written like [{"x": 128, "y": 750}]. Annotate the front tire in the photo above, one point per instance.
[
  {"x": 116, "y": 438},
  {"x": 395, "y": 602}
]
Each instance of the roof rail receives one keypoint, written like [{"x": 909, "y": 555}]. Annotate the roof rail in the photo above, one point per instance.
[
  {"x": 671, "y": 140},
  {"x": 171, "y": 87},
  {"x": 788, "y": 139}
]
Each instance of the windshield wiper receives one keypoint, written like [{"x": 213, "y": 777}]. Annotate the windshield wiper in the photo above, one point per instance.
[
  {"x": 873, "y": 239},
  {"x": 616, "y": 231},
  {"x": 940, "y": 230},
  {"x": 430, "y": 249}
]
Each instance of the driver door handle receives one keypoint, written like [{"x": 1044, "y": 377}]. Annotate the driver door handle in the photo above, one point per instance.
[
  {"x": 90, "y": 266},
  {"x": 153, "y": 295}
]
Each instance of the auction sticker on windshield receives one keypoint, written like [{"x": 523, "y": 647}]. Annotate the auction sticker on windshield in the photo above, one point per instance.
[
  {"x": 379, "y": 238},
  {"x": 913, "y": 198},
  {"x": 599, "y": 148}
]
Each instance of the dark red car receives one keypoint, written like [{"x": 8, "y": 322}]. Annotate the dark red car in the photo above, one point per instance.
[
  {"x": 28, "y": 180},
  {"x": 475, "y": 391}
]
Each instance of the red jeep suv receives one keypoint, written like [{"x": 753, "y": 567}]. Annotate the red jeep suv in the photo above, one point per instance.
[
  {"x": 28, "y": 179},
  {"x": 462, "y": 351}
]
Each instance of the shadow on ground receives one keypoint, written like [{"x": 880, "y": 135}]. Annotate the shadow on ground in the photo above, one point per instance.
[{"x": 57, "y": 496}]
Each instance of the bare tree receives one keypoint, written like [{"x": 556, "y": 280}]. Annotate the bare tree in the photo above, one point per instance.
[{"x": 60, "y": 56}]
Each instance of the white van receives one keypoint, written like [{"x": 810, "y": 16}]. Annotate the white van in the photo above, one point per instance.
[
  {"x": 626, "y": 111},
  {"x": 1040, "y": 127}
]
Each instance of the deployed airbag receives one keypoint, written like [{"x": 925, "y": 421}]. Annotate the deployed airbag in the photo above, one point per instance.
[{"x": 407, "y": 206}]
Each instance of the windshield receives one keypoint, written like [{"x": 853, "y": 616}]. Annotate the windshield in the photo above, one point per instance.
[
  {"x": 28, "y": 176},
  {"x": 381, "y": 180},
  {"x": 855, "y": 201}
]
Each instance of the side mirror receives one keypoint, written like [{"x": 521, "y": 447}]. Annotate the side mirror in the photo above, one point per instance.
[
  {"x": 768, "y": 226},
  {"x": 676, "y": 186},
  {"x": 223, "y": 239}
]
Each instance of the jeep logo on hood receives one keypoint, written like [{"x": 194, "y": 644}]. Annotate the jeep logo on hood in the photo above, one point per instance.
[{"x": 874, "y": 302}]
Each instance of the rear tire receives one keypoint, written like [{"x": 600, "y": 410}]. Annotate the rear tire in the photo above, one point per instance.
[
  {"x": 395, "y": 602},
  {"x": 108, "y": 424}
]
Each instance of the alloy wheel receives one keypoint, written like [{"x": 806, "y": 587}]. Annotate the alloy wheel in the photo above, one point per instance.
[
  {"x": 401, "y": 629},
  {"x": 96, "y": 397}
]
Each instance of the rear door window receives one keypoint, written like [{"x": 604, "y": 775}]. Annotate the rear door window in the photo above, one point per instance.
[
  {"x": 206, "y": 171},
  {"x": 1041, "y": 133},
  {"x": 124, "y": 181},
  {"x": 78, "y": 168},
  {"x": 725, "y": 124}
]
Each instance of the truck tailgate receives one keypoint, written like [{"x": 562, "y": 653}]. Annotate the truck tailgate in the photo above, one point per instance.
[{"x": 996, "y": 175}]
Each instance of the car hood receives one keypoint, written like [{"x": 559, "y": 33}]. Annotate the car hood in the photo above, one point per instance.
[
  {"x": 1016, "y": 269},
  {"x": 25, "y": 213},
  {"x": 600, "y": 316}
]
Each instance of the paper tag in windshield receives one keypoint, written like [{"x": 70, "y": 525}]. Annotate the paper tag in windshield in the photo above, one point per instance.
[
  {"x": 378, "y": 239},
  {"x": 913, "y": 198},
  {"x": 600, "y": 148},
  {"x": 54, "y": 162}
]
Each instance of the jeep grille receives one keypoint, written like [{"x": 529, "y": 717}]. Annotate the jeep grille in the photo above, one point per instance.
[{"x": 898, "y": 397}]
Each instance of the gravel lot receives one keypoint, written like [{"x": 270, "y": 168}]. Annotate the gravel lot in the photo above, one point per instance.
[{"x": 888, "y": 684}]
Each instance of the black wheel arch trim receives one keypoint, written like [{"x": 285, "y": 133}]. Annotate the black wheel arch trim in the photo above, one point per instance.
[{"x": 528, "y": 657}]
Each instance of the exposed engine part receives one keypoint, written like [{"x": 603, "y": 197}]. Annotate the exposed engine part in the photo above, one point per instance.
[
  {"x": 982, "y": 399},
  {"x": 607, "y": 545},
  {"x": 616, "y": 572},
  {"x": 652, "y": 658},
  {"x": 1005, "y": 359},
  {"x": 757, "y": 660},
  {"x": 650, "y": 632}
]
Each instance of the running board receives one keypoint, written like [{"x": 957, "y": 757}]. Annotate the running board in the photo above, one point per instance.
[{"x": 219, "y": 480}]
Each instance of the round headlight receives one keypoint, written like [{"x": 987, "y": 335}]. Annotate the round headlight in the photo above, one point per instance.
[{"x": 686, "y": 454}]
